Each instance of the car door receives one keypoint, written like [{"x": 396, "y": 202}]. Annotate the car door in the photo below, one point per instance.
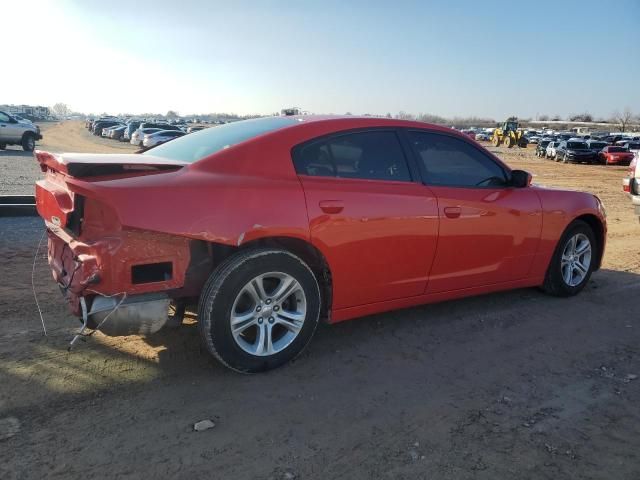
[
  {"x": 369, "y": 215},
  {"x": 489, "y": 231}
]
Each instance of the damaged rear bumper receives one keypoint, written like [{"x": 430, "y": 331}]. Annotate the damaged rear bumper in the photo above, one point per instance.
[{"x": 129, "y": 276}]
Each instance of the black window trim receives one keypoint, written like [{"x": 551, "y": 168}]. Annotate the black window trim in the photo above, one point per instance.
[
  {"x": 414, "y": 173},
  {"x": 423, "y": 173}
]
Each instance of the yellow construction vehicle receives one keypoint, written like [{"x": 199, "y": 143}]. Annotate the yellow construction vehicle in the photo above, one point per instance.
[{"x": 509, "y": 134}]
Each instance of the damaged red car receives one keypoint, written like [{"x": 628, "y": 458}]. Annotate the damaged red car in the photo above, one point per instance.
[{"x": 273, "y": 225}]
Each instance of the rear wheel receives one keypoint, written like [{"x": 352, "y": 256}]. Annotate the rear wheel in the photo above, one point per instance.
[
  {"x": 495, "y": 141},
  {"x": 259, "y": 310},
  {"x": 572, "y": 262}
]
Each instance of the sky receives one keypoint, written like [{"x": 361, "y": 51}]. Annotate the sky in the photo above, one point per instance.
[{"x": 449, "y": 58}]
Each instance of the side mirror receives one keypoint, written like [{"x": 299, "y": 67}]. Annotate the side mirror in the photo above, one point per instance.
[
  {"x": 12, "y": 120},
  {"x": 520, "y": 179}
]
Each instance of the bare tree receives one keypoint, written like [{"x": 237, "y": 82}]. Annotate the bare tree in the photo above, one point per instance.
[
  {"x": 623, "y": 118},
  {"x": 543, "y": 118},
  {"x": 402, "y": 115},
  {"x": 172, "y": 114},
  {"x": 61, "y": 110},
  {"x": 582, "y": 117}
]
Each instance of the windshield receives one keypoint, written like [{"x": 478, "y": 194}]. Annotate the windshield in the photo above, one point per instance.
[
  {"x": 633, "y": 145},
  {"x": 576, "y": 145},
  {"x": 616, "y": 150},
  {"x": 598, "y": 145},
  {"x": 198, "y": 145}
]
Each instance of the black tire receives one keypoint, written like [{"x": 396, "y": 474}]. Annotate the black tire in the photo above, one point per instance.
[
  {"x": 554, "y": 283},
  {"x": 220, "y": 292},
  {"x": 28, "y": 142},
  {"x": 508, "y": 141}
]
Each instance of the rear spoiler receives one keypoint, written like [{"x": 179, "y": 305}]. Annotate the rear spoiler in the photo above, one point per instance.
[
  {"x": 97, "y": 165},
  {"x": 51, "y": 161}
]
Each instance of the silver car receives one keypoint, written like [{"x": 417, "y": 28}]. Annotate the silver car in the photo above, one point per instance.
[
  {"x": 156, "y": 138},
  {"x": 15, "y": 132},
  {"x": 138, "y": 135}
]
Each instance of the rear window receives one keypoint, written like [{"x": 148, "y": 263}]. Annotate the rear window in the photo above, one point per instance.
[
  {"x": 197, "y": 145},
  {"x": 616, "y": 149},
  {"x": 576, "y": 145}
]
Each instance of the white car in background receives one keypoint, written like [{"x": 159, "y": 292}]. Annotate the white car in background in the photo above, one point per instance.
[
  {"x": 633, "y": 146},
  {"x": 138, "y": 136},
  {"x": 551, "y": 149},
  {"x": 156, "y": 138},
  {"x": 631, "y": 183}
]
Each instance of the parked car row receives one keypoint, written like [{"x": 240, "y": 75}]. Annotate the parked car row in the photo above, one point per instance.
[
  {"x": 141, "y": 133},
  {"x": 579, "y": 150}
]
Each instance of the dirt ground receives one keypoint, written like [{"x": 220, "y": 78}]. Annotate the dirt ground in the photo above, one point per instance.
[{"x": 514, "y": 385}]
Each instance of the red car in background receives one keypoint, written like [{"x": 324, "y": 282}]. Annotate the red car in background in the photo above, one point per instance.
[
  {"x": 613, "y": 155},
  {"x": 274, "y": 224}
]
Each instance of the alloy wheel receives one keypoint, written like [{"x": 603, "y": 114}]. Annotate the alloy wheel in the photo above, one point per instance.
[
  {"x": 576, "y": 259},
  {"x": 268, "y": 314}
]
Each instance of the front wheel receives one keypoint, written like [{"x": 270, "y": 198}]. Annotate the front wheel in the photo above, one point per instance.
[
  {"x": 508, "y": 141},
  {"x": 28, "y": 142},
  {"x": 572, "y": 262},
  {"x": 259, "y": 310}
]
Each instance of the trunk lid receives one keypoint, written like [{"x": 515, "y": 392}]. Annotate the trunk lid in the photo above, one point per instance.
[{"x": 61, "y": 194}]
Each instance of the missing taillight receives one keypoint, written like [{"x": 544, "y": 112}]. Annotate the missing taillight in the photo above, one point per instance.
[
  {"x": 151, "y": 272},
  {"x": 75, "y": 218}
]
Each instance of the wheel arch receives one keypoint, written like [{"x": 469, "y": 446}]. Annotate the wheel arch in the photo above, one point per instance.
[
  {"x": 316, "y": 261},
  {"x": 598, "y": 229},
  {"x": 311, "y": 256}
]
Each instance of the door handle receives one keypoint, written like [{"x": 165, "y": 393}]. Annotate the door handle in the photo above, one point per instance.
[
  {"x": 452, "y": 212},
  {"x": 331, "y": 206}
]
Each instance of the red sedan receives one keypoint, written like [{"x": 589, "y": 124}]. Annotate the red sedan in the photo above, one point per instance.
[
  {"x": 613, "y": 155},
  {"x": 275, "y": 224}
]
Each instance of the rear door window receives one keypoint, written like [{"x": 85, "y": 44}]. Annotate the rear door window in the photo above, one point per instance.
[{"x": 369, "y": 155}]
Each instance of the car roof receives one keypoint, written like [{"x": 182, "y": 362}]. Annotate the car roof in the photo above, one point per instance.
[{"x": 354, "y": 121}]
